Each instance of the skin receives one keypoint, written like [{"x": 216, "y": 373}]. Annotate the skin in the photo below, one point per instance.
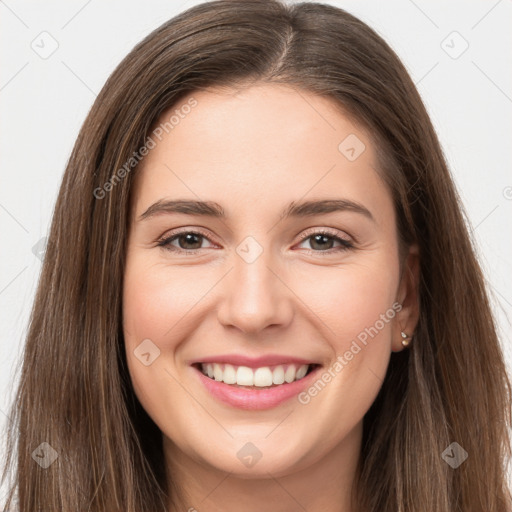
[{"x": 254, "y": 151}]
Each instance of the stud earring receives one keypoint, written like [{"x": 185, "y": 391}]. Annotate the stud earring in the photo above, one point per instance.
[{"x": 405, "y": 339}]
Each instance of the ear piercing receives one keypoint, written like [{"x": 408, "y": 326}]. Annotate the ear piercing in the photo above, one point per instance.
[{"x": 405, "y": 339}]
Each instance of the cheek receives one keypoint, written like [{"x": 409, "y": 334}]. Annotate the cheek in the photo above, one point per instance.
[
  {"x": 156, "y": 299},
  {"x": 367, "y": 296},
  {"x": 153, "y": 306},
  {"x": 165, "y": 305},
  {"x": 356, "y": 308},
  {"x": 351, "y": 299}
]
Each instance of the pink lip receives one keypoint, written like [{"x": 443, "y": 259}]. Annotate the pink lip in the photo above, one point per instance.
[
  {"x": 253, "y": 362},
  {"x": 255, "y": 399}
]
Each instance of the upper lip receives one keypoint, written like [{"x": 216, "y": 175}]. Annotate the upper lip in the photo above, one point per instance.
[{"x": 254, "y": 362}]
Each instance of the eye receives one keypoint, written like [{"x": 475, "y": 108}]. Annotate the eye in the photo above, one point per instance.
[
  {"x": 187, "y": 241},
  {"x": 323, "y": 241}
]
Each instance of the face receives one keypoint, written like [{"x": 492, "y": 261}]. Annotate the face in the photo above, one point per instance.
[{"x": 292, "y": 266}]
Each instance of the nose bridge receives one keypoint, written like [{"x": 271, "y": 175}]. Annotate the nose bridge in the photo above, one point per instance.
[{"x": 255, "y": 297}]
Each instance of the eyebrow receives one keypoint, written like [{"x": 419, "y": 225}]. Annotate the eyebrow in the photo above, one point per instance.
[{"x": 294, "y": 209}]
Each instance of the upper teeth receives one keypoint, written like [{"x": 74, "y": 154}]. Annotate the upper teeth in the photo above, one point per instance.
[{"x": 260, "y": 377}]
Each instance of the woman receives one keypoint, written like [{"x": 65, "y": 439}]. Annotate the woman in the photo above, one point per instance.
[{"x": 326, "y": 343}]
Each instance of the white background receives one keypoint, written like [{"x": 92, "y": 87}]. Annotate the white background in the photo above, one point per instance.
[{"x": 44, "y": 101}]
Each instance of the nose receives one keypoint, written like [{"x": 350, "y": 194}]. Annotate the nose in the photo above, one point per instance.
[{"x": 255, "y": 296}]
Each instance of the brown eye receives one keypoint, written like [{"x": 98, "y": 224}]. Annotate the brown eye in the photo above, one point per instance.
[{"x": 186, "y": 241}]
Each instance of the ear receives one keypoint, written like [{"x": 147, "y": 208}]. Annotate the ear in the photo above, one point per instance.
[{"x": 406, "y": 319}]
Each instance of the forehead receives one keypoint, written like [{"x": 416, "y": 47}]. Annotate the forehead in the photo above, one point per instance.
[{"x": 271, "y": 142}]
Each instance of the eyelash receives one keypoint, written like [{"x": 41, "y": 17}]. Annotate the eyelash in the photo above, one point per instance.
[{"x": 165, "y": 243}]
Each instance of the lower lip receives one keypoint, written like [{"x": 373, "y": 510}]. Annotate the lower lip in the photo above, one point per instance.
[{"x": 256, "y": 398}]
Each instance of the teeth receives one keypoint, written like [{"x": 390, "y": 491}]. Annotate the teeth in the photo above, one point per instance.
[
  {"x": 289, "y": 374},
  {"x": 259, "y": 377},
  {"x": 301, "y": 372},
  {"x": 263, "y": 377},
  {"x": 244, "y": 376},
  {"x": 278, "y": 375},
  {"x": 217, "y": 372},
  {"x": 229, "y": 375}
]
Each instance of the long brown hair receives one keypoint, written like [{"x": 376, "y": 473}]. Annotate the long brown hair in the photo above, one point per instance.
[{"x": 75, "y": 392}]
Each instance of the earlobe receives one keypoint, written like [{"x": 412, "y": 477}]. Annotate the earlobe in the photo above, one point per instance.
[
  {"x": 408, "y": 297},
  {"x": 405, "y": 339}
]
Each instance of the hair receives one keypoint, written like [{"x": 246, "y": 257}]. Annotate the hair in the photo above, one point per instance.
[{"x": 75, "y": 392}]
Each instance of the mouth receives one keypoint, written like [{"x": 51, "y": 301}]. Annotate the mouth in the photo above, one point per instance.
[
  {"x": 255, "y": 388},
  {"x": 264, "y": 377}
]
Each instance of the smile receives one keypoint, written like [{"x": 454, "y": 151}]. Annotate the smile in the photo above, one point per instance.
[
  {"x": 253, "y": 385},
  {"x": 262, "y": 377}
]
